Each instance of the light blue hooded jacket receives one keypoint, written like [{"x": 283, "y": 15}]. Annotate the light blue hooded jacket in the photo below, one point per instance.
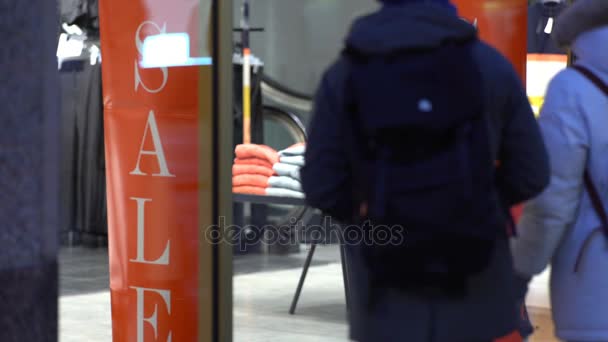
[{"x": 574, "y": 122}]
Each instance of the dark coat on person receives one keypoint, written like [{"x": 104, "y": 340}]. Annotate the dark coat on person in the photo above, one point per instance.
[{"x": 489, "y": 311}]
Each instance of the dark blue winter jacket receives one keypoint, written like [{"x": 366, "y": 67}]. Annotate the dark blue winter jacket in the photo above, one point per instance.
[{"x": 489, "y": 311}]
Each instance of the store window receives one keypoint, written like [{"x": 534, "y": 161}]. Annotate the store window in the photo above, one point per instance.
[{"x": 166, "y": 129}]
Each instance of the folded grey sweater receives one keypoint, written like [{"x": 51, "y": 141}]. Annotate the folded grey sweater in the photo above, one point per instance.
[
  {"x": 288, "y": 170},
  {"x": 284, "y": 193},
  {"x": 293, "y": 160},
  {"x": 293, "y": 151},
  {"x": 284, "y": 182}
]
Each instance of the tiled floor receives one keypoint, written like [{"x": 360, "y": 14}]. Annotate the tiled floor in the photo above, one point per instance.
[
  {"x": 263, "y": 289},
  {"x": 83, "y": 271},
  {"x": 85, "y": 299},
  {"x": 539, "y": 309}
]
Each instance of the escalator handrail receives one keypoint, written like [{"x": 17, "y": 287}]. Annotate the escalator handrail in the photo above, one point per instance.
[
  {"x": 286, "y": 90},
  {"x": 285, "y": 100},
  {"x": 292, "y": 117}
]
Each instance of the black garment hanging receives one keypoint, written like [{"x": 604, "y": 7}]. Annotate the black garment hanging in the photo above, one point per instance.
[
  {"x": 84, "y": 13},
  {"x": 84, "y": 216},
  {"x": 541, "y": 17}
]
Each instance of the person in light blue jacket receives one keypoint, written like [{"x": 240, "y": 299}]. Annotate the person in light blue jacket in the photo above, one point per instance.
[{"x": 556, "y": 225}]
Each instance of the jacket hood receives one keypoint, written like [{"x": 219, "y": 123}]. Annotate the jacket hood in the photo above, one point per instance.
[
  {"x": 408, "y": 26},
  {"x": 578, "y": 18},
  {"x": 445, "y": 3},
  {"x": 591, "y": 49}
]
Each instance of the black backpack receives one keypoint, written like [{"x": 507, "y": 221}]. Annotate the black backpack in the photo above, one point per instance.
[{"x": 422, "y": 169}]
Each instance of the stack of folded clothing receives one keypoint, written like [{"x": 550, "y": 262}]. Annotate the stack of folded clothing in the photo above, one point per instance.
[
  {"x": 253, "y": 168},
  {"x": 260, "y": 170},
  {"x": 287, "y": 182}
]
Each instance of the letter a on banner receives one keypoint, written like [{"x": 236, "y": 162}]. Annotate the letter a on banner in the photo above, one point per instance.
[{"x": 158, "y": 151}]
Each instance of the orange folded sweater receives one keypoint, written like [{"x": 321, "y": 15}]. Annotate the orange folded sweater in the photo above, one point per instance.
[
  {"x": 244, "y": 169},
  {"x": 253, "y": 161},
  {"x": 257, "y": 151},
  {"x": 249, "y": 190},
  {"x": 250, "y": 180}
]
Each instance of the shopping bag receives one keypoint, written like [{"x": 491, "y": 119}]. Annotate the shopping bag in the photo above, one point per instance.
[
  {"x": 513, "y": 337},
  {"x": 525, "y": 328}
]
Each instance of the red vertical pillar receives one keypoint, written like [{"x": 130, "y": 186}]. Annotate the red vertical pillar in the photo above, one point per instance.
[
  {"x": 504, "y": 25},
  {"x": 151, "y": 136}
]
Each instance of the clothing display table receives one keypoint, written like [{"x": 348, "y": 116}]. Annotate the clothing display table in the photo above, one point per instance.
[
  {"x": 304, "y": 217},
  {"x": 258, "y": 199}
]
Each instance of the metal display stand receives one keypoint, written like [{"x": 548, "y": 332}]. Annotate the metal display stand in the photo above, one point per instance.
[
  {"x": 259, "y": 212},
  {"x": 257, "y": 199}
]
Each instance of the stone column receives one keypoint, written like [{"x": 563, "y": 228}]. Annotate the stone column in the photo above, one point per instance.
[{"x": 29, "y": 177}]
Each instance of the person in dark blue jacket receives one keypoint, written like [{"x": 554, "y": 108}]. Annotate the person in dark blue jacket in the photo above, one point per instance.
[{"x": 489, "y": 310}]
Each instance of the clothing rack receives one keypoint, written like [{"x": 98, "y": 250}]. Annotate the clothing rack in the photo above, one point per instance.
[{"x": 83, "y": 195}]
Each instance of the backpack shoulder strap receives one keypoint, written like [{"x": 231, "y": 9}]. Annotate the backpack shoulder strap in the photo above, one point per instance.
[
  {"x": 591, "y": 188},
  {"x": 591, "y": 76},
  {"x": 596, "y": 200}
]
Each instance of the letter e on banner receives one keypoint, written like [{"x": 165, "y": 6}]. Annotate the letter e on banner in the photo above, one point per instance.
[
  {"x": 158, "y": 151},
  {"x": 153, "y": 319}
]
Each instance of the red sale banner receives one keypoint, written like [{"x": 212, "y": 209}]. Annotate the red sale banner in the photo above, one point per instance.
[
  {"x": 503, "y": 24},
  {"x": 151, "y": 136}
]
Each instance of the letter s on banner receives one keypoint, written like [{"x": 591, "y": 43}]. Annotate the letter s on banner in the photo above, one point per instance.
[{"x": 140, "y": 44}]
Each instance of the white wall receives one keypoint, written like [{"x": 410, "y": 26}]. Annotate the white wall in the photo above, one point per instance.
[{"x": 302, "y": 36}]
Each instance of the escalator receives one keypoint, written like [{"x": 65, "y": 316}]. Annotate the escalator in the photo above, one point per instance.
[
  {"x": 284, "y": 96},
  {"x": 282, "y": 125}
]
